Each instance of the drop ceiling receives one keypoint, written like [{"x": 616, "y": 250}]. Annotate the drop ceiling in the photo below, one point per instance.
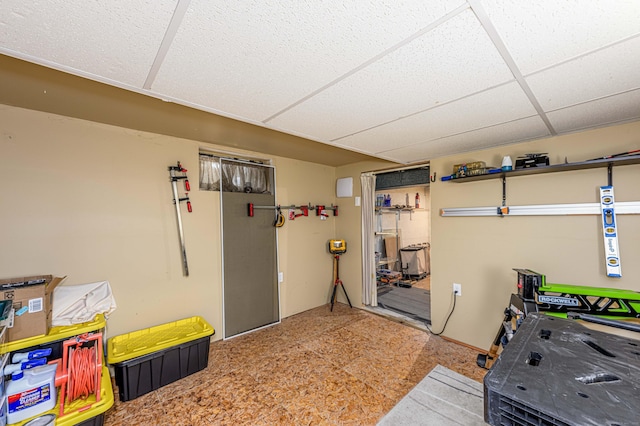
[{"x": 401, "y": 80}]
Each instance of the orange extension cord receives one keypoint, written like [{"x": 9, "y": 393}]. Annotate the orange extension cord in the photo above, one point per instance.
[{"x": 82, "y": 373}]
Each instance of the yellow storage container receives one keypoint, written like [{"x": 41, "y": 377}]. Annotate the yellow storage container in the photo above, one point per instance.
[
  {"x": 94, "y": 414},
  {"x": 55, "y": 334},
  {"x": 142, "y": 342},
  {"x": 148, "y": 359}
]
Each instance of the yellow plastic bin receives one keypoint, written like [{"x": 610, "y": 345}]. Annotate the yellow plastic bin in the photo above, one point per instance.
[
  {"x": 55, "y": 337},
  {"x": 148, "y": 359},
  {"x": 92, "y": 416}
]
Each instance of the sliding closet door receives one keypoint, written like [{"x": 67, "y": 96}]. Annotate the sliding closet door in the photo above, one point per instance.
[{"x": 251, "y": 298}]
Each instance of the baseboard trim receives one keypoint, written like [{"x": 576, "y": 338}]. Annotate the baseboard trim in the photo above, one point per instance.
[{"x": 457, "y": 342}]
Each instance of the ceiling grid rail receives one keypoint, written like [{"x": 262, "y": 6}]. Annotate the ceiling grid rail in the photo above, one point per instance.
[
  {"x": 404, "y": 82},
  {"x": 488, "y": 26},
  {"x": 376, "y": 58},
  {"x": 167, "y": 40}
]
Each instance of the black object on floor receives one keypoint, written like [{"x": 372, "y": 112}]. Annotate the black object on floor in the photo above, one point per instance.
[
  {"x": 557, "y": 372},
  {"x": 138, "y": 376},
  {"x": 412, "y": 302}
]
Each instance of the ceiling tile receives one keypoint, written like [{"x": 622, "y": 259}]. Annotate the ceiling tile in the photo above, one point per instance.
[
  {"x": 116, "y": 40},
  {"x": 610, "y": 110},
  {"x": 544, "y": 32},
  {"x": 252, "y": 61},
  {"x": 455, "y": 59},
  {"x": 498, "y": 105},
  {"x": 502, "y": 134},
  {"x": 589, "y": 77},
  {"x": 403, "y": 79}
]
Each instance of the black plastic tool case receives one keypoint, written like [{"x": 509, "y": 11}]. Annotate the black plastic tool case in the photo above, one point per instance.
[{"x": 558, "y": 372}]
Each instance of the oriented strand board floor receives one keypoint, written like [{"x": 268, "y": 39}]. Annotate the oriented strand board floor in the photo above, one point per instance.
[{"x": 346, "y": 367}]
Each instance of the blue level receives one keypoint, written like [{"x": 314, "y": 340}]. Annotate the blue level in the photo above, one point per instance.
[{"x": 610, "y": 232}]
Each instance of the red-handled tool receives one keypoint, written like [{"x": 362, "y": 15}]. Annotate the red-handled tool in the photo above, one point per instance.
[
  {"x": 187, "y": 187},
  {"x": 304, "y": 211},
  {"x": 177, "y": 173}
]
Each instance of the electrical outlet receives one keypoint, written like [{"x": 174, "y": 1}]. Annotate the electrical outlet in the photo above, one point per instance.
[{"x": 457, "y": 289}]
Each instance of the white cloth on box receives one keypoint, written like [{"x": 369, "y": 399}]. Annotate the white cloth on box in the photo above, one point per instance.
[{"x": 75, "y": 304}]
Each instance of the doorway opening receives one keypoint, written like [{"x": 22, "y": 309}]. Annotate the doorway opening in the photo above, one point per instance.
[{"x": 402, "y": 244}]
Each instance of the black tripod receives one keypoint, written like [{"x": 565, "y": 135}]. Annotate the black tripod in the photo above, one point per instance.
[{"x": 338, "y": 281}]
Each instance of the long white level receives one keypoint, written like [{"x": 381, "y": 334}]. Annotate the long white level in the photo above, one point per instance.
[{"x": 625, "y": 207}]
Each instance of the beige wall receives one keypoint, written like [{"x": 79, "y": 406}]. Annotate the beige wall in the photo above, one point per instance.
[
  {"x": 480, "y": 252},
  {"x": 94, "y": 202},
  {"x": 304, "y": 257}
]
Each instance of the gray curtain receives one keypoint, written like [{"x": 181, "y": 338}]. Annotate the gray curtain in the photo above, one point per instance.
[{"x": 369, "y": 288}]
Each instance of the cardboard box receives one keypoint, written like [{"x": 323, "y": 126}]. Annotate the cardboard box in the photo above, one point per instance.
[{"x": 31, "y": 304}]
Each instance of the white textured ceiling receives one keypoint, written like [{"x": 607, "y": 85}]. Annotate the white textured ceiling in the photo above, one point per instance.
[{"x": 404, "y": 80}]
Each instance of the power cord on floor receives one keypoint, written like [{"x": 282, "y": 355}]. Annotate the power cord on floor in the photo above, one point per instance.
[{"x": 448, "y": 316}]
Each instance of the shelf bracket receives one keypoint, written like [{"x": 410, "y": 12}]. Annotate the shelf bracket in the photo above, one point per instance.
[{"x": 610, "y": 174}]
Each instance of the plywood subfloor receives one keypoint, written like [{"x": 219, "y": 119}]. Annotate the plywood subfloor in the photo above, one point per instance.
[{"x": 347, "y": 367}]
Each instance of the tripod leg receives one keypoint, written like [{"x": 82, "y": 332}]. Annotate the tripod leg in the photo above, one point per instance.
[
  {"x": 345, "y": 294},
  {"x": 333, "y": 295}
]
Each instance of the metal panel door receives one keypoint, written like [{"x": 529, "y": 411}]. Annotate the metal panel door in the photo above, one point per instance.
[{"x": 251, "y": 298}]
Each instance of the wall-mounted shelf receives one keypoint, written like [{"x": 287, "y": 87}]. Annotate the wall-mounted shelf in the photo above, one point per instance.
[
  {"x": 557, "y": 209},
  {"x": 593, "y": 164},
  {"x": 395, "y": 209}
]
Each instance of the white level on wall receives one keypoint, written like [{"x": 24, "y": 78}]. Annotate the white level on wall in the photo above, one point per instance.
[{"x": 628, "y": 207}]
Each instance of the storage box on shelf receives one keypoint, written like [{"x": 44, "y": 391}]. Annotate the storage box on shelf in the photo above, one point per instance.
[
  {"x": 388, "y": 276},
  {"x": 148, "y": 359},
  {"x": 31, "y": 303}
]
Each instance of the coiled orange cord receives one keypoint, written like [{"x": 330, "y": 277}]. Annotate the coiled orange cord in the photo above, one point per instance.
[{"x": 82, "y": 373}]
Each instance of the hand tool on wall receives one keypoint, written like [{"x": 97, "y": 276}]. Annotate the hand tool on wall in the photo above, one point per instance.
[
  {"x": 304, "y": 211},
  {"x": 177, "y": 173},
  {"x": 279, "y": 220},
  {"x": 321, "y": 211}
]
